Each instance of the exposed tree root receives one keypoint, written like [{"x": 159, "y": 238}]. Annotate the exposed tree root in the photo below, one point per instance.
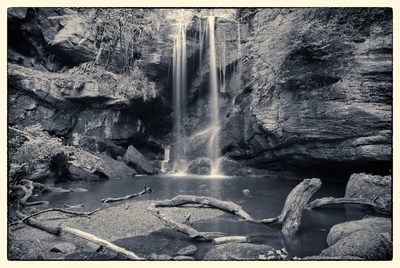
[
  {"x": 72, "y": 231},
  {"x": 28, "y": 186},
  {"x": 183, "y": 228},
  {"x": 115, "y": 199},
  {"x": 205, "y": 200},
  {"x": 28, "y": 192}
]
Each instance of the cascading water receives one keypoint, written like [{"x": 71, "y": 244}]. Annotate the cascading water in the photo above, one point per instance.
[
  {"x": 179, "y": 84},
  {"x": 213, "y": 147}
]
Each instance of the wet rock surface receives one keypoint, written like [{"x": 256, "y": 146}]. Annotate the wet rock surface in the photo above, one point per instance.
[
  {"x": 306, "y": 117},
  {"x": 139, "y": 162},
  {"x": 369, "y": 238},
  {"x": 187, "y": 251},
  {"x": 375, "y": 188},
  {"x": 64, "y": 248},
  {"x": 371, "y": 224},
  {"x": 238, "y": 251}
]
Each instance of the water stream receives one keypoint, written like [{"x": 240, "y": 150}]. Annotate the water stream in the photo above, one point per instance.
[{"x": 261, "y": 197}]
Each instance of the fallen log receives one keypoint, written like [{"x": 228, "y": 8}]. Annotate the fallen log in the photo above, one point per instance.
[
  {"x": 340, "y": 200},
  {"x": 183, "y": 228},
  {"x": 115, "y": 199},
  {"x": 59, "y": 230},
  {"x": 296, "y": 201},
  {"x": 207, "y": 201}
]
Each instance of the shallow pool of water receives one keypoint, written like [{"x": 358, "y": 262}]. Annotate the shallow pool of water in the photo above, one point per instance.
[{"x": 261, "y": 197}]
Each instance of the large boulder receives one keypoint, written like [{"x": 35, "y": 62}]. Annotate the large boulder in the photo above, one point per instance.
[
  {"x": 96, "y": 144},
  {"x": 199, "y": 166},
  {"x": 373, "y": 187},
  {"x": 88, "y": 166},
  {"x": 238, "y": 252},
  {"x": 370, "y": 224},
  {"x": 366, "y": 245},
  {"x": 116, "y": 125},
  {"x": 369, "y": 238},
  {"x": 139, "y": 162},
  {"x": 74, "y": 40},
  {"x": 115, "y": 169}
]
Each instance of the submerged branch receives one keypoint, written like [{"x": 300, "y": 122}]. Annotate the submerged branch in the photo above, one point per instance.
[
  {"x": 341, "y": 200},
  {"x": 183, "y": 228}
]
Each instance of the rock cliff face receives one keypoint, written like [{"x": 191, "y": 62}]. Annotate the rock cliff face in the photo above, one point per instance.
[
  {"x": 51, "y": 81},
  {"x": 318, "y": 91}
]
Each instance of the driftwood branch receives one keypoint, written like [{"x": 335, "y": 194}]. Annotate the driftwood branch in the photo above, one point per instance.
[
  {"x": 340, "y": 200},
  {"x": 183, "y": 228},
  {"x": 296, "y": 201},
  {"x": 81, "y": 234},
  {"x": 228, "y": 239},
  {"x": 207, "y": 201},
  {"x": 77, "y": 213},
  {"x": 74, "y": 206},
  {"x": 115, "y": 199}
]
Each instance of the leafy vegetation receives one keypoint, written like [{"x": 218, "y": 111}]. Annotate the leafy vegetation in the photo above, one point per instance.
[{"x": 37, "y": 151}]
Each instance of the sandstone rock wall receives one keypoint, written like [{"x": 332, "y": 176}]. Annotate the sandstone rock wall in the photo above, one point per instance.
[{"x": 318, "y": 90}]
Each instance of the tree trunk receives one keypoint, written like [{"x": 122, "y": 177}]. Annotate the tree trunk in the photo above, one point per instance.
[{"x": 296, "y": 201}]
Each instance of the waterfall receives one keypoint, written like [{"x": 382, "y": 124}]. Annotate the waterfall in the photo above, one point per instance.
[
  {"x": 180, "y": 89},
  {"x": 179, "y": 98},
  {"x": 239, "y": 57},
  {"x": 213, "y": 147}
]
